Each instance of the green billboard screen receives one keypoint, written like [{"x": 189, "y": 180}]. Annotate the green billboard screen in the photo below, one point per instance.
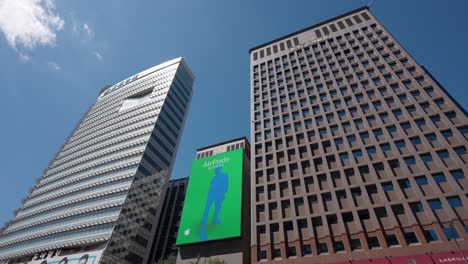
[{"x": 213, "y": 202}]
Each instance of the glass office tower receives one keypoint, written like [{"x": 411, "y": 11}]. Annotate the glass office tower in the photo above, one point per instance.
[
  {"x": 358, "y": 152},
  {"x": 102, "y": 191}
]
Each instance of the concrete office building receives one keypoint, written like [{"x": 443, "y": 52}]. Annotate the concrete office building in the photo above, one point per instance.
[
  {"x": 358, "y": 152},
  {"x": 102, "y": 191},
  {"x": 164, "y": 243},
  {"x": 234, "y": 249}
]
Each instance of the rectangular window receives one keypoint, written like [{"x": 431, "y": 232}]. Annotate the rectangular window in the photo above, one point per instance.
[
  {"x": 451, "y": 233},
  {"x": 373, "y": 242},
  {"x": 410, "y": 161},
  {"x": 415, "y": 141},
  {"x": 387, "y": 186},
  {"x": 371, "y": 150},
  {"x": 426, "y": 157},
  {"x": 430, "y": 235},
  {"x": 417, "y": 207},
  {"x": 435, "y": 204},
  {"x": 344, "y": 156},
  {"x": 457, "y": 174},
  {"x": 411, "y": 238},
  {"x": 454, "y": 201},
  {"x": 443, "y": 154},
  {"x": 357, "y": 153},
  {"x": 421, "y": 180},
  {"x": 391, "y": 240},
  {"x": 439, "y": 177}
]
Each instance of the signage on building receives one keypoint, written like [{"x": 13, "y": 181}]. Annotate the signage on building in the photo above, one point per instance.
[
  {"x": 309, "y": 43},
  {"x": 213, "y": 202},
  {"x": 91, "y": 257},
  {"x": 455, "y": 257},
  {"x": 118, "y": 85}
]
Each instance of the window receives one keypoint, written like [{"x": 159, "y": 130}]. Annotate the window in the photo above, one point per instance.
[
  {"x": 276, "y": 253},
  {"x": 415, "y": 141},
  {"x": 385, "y": 147},
  {"x": 344, "y": 156},
  {"x": 338, "y": 141},
  {"x": 391, "y": 240},
  {"x": 338, "y": 246},
  {"x": 451, "y": 233},
  {"x": 406, "y": 125},
  {"x": 378, "y": 132},
  {"x": 411, "y": 238},
  {"x": 387, "y": 186},
  {"x": 439, "y": 102},
  {"x": 454, "y": 201},
  {"x": 373, "y": 242},
  {"x": 322, "y": 131},
  {"x": 426, "y": 157},
  {"x": 443, "y": 154},
  {"x": 421, "y": 180},
  {"x": 291, "y": 251},
  {"x": 431, "y": 137},
  {"x": 322, "y": 248},
  {"x": 371, "y": 150},
  {"x": 404, "y": 184},
  {"x": 355, "y": 244},
  {"x": 306, "y": 250},
  {"x": 357, "y": 153},
  {"x": 435, "y": 204},
  {"x": 410, "y": 161},
  {"x": 420, "y": 123},
  {"x": 417, "y": 207},
  {"x": 430, "y": 235},
  {"x": 460, "y": 150},
  {"x": 457, "y": 174},
  {"x": 435, "y": 119},
  {"x": 439, "y": 178},
  {"x": 447, "y": 133},
  {"x": 400, "y": 144}
]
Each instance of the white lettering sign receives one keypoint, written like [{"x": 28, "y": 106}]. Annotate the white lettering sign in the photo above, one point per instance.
[{"x": 309, "y": 43}]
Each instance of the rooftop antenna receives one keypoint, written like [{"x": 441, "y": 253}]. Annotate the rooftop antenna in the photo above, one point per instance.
[{"x": 370, "y": 3}]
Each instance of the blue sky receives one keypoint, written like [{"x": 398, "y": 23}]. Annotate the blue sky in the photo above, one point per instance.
[{"x": 54, "y": 60}]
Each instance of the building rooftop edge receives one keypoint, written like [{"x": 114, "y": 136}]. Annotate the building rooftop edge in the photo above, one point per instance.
[
  {"x": 309, "y": 28},
  {"x": 223, "y": 143},
  {"x": 152, "y": 69}
]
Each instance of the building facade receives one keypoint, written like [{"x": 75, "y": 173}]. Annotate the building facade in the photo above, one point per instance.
[
  {"x": 164, "y": 244},
  {"x": 358, "y": 153},
  {"x": 230, "y": 249},
  {"x": 102, "y": 190}
]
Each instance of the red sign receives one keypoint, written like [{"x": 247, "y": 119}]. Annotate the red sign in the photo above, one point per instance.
[{"x": 434, "y": 258}]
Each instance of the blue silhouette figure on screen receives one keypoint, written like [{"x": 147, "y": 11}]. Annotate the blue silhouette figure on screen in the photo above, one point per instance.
[{"x": 218, "y": 188}]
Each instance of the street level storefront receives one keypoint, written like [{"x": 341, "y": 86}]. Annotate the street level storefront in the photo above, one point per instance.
[{"x": 430, "y": 258}]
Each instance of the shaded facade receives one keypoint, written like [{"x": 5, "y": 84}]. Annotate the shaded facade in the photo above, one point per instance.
[
  {"x": 164, "y": 244},
  {"x": 358, "y": 153},
  {"x": 102, "y": 190},
  {"x": 231, "y": 250}
]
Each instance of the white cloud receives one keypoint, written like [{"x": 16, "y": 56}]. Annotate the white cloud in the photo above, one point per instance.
[
  {"x": 53, "y": 66},
  {"x": 98, "y": 56},
  {"x": 24, "y": 57},
  {"x": 89, "y": 32},
  {"x": 29, "y": 23}
]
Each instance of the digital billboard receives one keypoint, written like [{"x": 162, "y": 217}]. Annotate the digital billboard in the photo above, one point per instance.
[
  {"x": 79, "y": 258},
  {"x": 213, "y": 202}
]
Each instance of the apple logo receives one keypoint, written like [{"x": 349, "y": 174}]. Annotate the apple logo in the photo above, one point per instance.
[{"x": 187, "y": 232}]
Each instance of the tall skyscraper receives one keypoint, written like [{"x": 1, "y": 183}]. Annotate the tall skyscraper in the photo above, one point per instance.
[
  {"x": 102, "y": 191},
  {"x": 358, "y": 152},
  {"x": 164, "y": 243}
]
